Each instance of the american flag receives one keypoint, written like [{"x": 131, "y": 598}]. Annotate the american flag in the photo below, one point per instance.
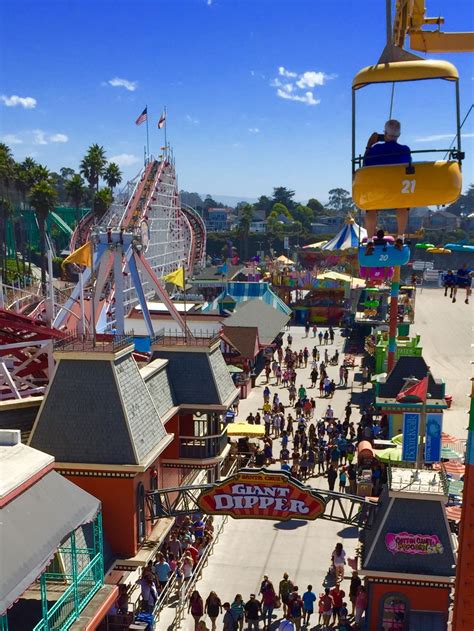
[
  {"x": 161, "y": 122},
  {"x": 142, "y": 118}
]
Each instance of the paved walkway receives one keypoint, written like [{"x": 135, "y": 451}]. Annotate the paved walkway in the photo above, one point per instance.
[{"x": 248, "y": 549}]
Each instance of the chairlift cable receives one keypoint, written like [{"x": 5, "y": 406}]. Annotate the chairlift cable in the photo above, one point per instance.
[
  {"x": 460, "y": 127},
  {"x": 391, "y": 101}
]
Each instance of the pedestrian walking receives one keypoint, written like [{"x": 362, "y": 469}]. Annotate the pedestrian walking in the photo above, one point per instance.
[
  {"x": 332, "y": 477},
  {"x": 360, "y": 604},
  {"x": 228, "y": 621},
  {"x": 326, "y": 337},
  {"x": 339, "y": 561},
  {"x": 307, "y": 327},
  {"x": 337, "y": 595},
  {"x": 309, "y": 598},
  {"x": 212, "y": 608},
  {"x": 238, "y": 611},
  {"x": 253, "y": 611},
  {"x": 354, "y": 589},
  {"x": 331, "y": 334},
  {"x": 268, "y": 602},
  {"x": 285, "y": 588},
  {"x": 320, "y": 336},
  {"x": 295, "y": 606},
  {"x": 315, "y": 330},
  {"x": 196, "y": 607},
  {"x": 325, "y": 607}
]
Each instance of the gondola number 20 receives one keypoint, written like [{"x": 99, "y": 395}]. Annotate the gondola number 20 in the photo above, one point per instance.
[{"x": 408, "y": 186}]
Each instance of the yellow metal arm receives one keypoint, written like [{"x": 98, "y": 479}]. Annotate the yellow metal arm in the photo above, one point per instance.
[{"x": 410, "y": 17}]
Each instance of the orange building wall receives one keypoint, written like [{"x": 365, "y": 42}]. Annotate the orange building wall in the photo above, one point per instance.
[
  {"x": 172, "y": 427},
  {"x": 420, "y": 598},
  {"x": 118, "y": 509}
]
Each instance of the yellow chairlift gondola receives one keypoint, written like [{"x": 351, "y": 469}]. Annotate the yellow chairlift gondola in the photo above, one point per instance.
[{"x": 417, "y": 183}]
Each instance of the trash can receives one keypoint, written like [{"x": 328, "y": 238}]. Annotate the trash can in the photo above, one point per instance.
[{"x": 449, "y": 400}]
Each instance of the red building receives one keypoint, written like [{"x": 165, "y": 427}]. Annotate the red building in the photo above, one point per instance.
[{"x": 408, "y": 554}]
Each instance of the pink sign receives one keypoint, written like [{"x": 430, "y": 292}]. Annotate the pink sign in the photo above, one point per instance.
[{"x": 408, "y": 543}]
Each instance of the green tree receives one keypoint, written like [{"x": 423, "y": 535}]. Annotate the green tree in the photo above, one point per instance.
[
  {"x": 102, "y": 201},
  {"x": 7, "y": 178},
  {"x": 113, "y": 175},
  {"x": 280, "y": 209},
  {"x": 316, "y": 206},
  {"x": 42, "y": 199},
  {"x": 282, "y": 195},
  {"x": 305, "y": 215},
  {"x": 93, "y": 165},
  {"x": 264, "y": 203},
  {"x": 67, "y": 173},
  {"x": 246, "y": 215},
  {"x": 76, "y": 191},
  {"x": 340, "y": 200}
]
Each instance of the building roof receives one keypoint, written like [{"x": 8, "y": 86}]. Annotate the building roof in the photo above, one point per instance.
[
  {"x": 256, "y": 313},
  {"x": 197, "y": 376},
  {"x": 156, "y": 379},
  {"x": 98, "y": 411},
  {"x": 243, "y": 338},
  {"x": 213, "y": 273},
  {"x": 244, "y": 291},
  {"x": 34, "y": 524},
  {"x": 405, "y": 367},
  {"x": 408, "y": 516}
]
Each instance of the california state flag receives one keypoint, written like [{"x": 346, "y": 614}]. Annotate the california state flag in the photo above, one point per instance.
[{"x": 161, "y": 122}]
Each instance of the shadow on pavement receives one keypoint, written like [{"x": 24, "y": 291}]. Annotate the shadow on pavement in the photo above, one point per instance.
[
  {"x": 293, "y": 524},
  {"x": 349, "y": 532}
]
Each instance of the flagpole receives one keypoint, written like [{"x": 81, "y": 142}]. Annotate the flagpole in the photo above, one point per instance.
[
  {"x": 147, "y": 136},
  {"x": 166, "y": 144}
]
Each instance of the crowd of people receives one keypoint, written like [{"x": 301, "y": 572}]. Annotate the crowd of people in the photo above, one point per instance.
[{"x": 291, "y": 608}]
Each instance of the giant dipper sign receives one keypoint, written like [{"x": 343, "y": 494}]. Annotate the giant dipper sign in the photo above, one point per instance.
[{"x": 262, "y": 494}]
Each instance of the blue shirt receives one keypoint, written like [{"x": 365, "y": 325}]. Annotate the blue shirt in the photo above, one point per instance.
[
  {"x": 162, "y": 571},
  {"x": 387, "y": 153},
  {"x": 308, "y": 600}
]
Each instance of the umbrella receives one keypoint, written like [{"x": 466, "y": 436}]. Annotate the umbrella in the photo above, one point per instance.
[
  {"x": 245, "y": 429},
  {"x": 398, "y": 440},
  {"x": 453, "y": 468},
  {"x": 391, "y": 454},
  {"x": 424, "y": 246},
  {"x": 455, "y": 487},
  {"x": 285, "y": 259},
  {"x": 234, "y": 369},
  {"x": 453, "y": 513},
  {"x": 449, "y": 454}
]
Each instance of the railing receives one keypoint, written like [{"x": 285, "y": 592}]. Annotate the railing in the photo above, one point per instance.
[
  {"x": 171, "y": 337},
  {"x": 76, "y": 597},
  {"x": 111, "y": 344},
  {"x": 202, "y": 446}
]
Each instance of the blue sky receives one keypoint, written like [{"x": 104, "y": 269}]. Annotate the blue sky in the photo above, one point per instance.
[{"x": 257, "y": 91}]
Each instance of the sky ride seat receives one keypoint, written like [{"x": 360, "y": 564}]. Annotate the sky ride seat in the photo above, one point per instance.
[
  {"x": 407, "y": 185},
  {"x": 384, "y": 255},
  {"x": 380, "y": 187}
]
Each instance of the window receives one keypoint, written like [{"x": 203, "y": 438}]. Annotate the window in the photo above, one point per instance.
[
  {"x": 140, "y": 512},
  {"x": 394, "y": 613}
]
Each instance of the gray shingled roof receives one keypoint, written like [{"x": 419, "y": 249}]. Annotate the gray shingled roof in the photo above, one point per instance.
[
  {"x": 409, "y": 367},
  {"x": 267, "y": 319},
  {"x": 425, "y": 517},
  {"x": 160, "y": 389},
  {"x": 198, "y": 377},
  {"x": 98, "y": 412}
]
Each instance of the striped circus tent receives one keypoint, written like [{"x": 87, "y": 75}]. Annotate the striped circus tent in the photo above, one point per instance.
[{"x": 350, "y": 235}]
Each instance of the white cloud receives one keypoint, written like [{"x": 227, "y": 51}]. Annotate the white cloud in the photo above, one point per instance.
[
  {"x": 58, "y": 138},
  {"x": 254, "y": 130},
  {"x": 191, "y": 120},
  {"x": 283, "y": 72},
  {"x": 435, "y": 137},
  {"x": 28, "y": 102},
  {"x": 39, "y": 137},
  {"x": 311, "y": 79},
  {"x": 209, "y": 2},
  {"x": 11, "y": 139},
  {"x": 117, "y": 82},
  {"x": 307, "y": 97},
  {"x": 125, "y": 159},
  {"x": 297, "y": 88}
]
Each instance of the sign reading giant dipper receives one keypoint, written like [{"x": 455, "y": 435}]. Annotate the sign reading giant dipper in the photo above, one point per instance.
[{"x": 262, "y": 494}]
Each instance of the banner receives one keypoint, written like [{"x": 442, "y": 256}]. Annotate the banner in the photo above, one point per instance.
[
  {"x": 262, "y": 494},
  {"x": 409, "y": 543},
  {"x": 411, "y": 428},
  {"x": 434, "y": 425}
]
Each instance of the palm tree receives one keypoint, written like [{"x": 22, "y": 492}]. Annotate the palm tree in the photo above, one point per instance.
[
  {"x": 102, "y": 201},
  {"x": 93, "y": 165},
  {"x": 42, "y": 198},
  {"x": 113, "y": 175},
  {"x": 75, "y": 191},
  {"x": 7, "y": 176}
]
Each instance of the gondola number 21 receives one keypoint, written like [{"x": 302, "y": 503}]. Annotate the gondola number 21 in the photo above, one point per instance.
[{"x": 408, "y": 186}]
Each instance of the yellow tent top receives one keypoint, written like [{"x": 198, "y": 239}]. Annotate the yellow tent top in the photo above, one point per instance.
[
  {"x": 285, "y": 259},
  {"x": 405, "y": 71},
  {"x": 245, "y": 429},
  {"x": 355, "y": 282}
]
